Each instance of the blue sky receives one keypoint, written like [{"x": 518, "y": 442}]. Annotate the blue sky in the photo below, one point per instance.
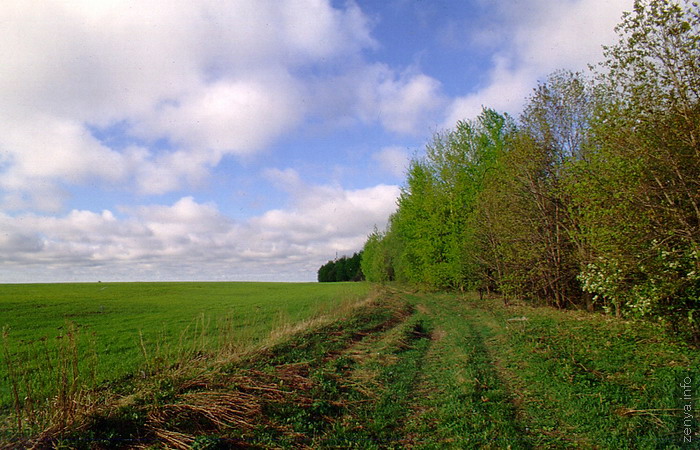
[{"x": 244, "y": 140}]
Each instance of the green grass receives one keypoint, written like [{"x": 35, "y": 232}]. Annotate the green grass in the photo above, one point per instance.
[
  {"x": 470, "y": 404},
  {"x": 110, "y": 321},
  {"x": 461, "y": 373},
  {"x": 397, "y": 370},
  {"x": 540, "y": 377}
]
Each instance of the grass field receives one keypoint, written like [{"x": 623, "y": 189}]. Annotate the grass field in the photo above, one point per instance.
[
  {"x": 394, "y": 369},
  {"x": 110, "y": 325}
]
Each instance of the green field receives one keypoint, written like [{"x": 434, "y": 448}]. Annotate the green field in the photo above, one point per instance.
[
  {"x": 111, "y": 319},
  {"x": 340, "y": 366}
]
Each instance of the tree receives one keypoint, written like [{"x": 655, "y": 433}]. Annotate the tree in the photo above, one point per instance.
[
  {"x": 342, "y": 269},
  {"x": 429, "y": 240},
  {"x": 525, "y": 235},
  {"x": 326, "y": 272},
  {"x": 375, "y": 262},
  {"x": 639, "y": 193}
]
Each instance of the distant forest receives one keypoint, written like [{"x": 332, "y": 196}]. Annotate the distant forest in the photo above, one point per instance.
[
  {"x": 589, "y": 199},
  {"x": 342, "y": 269}
]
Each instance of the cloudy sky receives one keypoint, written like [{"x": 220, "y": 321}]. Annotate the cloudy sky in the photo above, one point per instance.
[{"x": 244, "y": 139}]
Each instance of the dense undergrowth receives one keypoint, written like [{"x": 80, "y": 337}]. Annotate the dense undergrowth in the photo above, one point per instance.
[{"x": 412, "y": 370}]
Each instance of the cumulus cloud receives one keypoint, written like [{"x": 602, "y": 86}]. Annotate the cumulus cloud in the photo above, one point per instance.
[
  {"x": 230, "y": 116},
  {"x": 569, "y": 34},
  {"x": 327, "y": 214},
  {"x": 195, "y": 241},
  {"x": 542, "y": 36},
  {"x": 406, "y": 104},
  {"x": 209, "y": 78},
  {"x": 48, "y": 147}
]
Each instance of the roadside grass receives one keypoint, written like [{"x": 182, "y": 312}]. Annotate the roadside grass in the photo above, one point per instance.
[
  {"x": 594, "y": 380},
  {"x": 571, "y": 379}
]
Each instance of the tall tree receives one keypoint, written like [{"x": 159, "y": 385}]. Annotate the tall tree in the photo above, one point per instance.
[{"x": 429, "y": 239}]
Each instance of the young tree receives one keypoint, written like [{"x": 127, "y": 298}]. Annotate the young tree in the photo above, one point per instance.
[
  {"x": 527, "y": 235},
  {"x": 375, "y": 262},
  {"x": 433, "y": 230},
  {"x": 641, "y": 198}
]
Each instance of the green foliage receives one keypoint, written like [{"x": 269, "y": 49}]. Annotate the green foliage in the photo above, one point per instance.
[
  {"x": 376, "y": 262},
  {"x": 343, "y": 269},
  {"x": 639, "y": 193},
  {"x": 592, "y": 199},
  {"x": 428, "y": 239}
]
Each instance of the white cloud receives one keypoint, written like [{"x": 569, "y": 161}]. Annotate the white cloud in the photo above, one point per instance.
[
  {"x": 329, "y": 217},
  {"x": 161, "y": 173},
  {"x": 506, "y": 90},
  {"x": 212, "y": 78},
  {"x": 287, "y": 180},
  {"x": 192, "y": 240},
  {"x": 393, "y": 160},
  {"x": 544, "y": 36},
  {"x": 232, "y": 116},
  {"x": 49, "y": 147},
  {"x": 565, "y": 34},
  {"x": 406, "y": 104}
]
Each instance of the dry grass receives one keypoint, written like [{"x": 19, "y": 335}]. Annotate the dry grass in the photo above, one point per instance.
[
  {"x": 206, "y": 410},
  {"x": 234, "y": 400}
]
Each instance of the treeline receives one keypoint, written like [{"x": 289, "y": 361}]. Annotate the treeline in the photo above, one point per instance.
[
  {"x": 342, "y": 269},
  {"x": 589, "y": 199}
]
